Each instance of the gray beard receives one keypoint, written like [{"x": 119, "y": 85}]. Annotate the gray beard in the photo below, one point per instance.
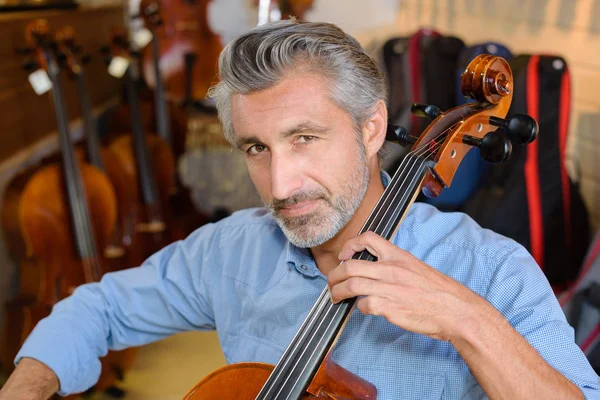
[{"x": 318, "y": 227}]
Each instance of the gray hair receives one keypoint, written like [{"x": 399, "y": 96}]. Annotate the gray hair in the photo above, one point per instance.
[{"x": 261, "y": 58}]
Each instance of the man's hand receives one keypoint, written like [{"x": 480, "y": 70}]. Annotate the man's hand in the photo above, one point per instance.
[
  {"x": 31, "y": 380},
  {"x": 403, "y": 289},
  {"x": 418, "y": 298}
]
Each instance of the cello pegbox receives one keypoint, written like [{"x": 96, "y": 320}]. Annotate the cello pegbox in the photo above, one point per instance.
[
  {"x": 488, "y": 81},
  {"x": 39, "y": 40}
]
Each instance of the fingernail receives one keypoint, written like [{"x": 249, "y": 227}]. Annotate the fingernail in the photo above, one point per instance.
[{"x": 331, "y": 298}]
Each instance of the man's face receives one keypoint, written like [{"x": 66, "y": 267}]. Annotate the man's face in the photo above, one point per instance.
[{"x": 303, "y": 156}]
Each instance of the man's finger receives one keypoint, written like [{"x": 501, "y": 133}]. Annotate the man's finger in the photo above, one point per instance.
[{"x": 383, "y": 249}]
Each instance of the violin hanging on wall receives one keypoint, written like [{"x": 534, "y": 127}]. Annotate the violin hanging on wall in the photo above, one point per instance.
[{"x": 306, "y": 370}]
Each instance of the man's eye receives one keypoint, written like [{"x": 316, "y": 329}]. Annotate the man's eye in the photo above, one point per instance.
[
  {"x": 305, "y": 138},
  {"x": 256, "y": 149}
]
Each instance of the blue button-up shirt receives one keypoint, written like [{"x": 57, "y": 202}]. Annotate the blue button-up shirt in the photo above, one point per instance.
[{"x": 242, "y": 277}]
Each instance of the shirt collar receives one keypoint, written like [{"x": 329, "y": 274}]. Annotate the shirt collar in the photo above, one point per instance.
[{"x": 301, "y": 259}]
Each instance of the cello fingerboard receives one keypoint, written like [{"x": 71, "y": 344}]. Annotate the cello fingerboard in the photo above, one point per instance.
[{"x": 301, "y": 360}]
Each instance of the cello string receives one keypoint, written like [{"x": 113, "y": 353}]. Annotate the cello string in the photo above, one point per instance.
[
  {"x": 323, "y": 299},
  {"x": 337, "y": 309},
  {"x": 419, "y": 151},
  {"x": 69, "y": 168},
  {"x": 317, "y": 309},
  {"x": 396, "y": 192},
  {"x": 299, "y": 341},
  {"x": 388, "y": 221},
  {"x": 293, "y": 348}
]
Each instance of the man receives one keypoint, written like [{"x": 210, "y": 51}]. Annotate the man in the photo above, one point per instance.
[{"x": 449, "y": 310}]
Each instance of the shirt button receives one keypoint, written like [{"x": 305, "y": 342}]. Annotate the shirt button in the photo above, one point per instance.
[{"x": 304, "y": 267}]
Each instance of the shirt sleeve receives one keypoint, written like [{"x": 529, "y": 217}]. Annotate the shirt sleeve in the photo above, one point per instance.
[
  {"x": 520, "y": 291},
  {"x": 167, "y": 294}
]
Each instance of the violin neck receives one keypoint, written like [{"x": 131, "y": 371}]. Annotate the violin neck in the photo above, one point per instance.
[
  {"x": 162, "y": 113},
  {"x": 324, "y": 323},
  {"x": 89, "y": 128},
  {"x": 140, "y": 145},
  {"x": 83, "y": 235}
]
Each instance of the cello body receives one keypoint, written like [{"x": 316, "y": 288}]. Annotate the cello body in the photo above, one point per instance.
[
  {"x": 36, "y": 221},
  {"x": 244, "y": 381}
]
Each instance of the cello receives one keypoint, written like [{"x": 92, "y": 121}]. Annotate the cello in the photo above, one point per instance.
[
  {"x": 148, "y": 157},
  {"x": 57, "y": 218},
  {"x": 105, "y": 160},
  {"x": 306, "y": 369},
  {"x": 188, "y": 49},
  {"x": 186, "y": 217},
  {"x": 102, "y": 158}
]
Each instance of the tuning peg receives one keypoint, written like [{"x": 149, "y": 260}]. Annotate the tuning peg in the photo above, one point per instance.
[
  {"x": 104, "y": 49},
  {"x": 30, "y": 65},
  {"x": 425, "y": 111},
  {"x": 399, "y": 134},
  {"x": 521, "y": 128},
  {"x": 494, "y": 147}
]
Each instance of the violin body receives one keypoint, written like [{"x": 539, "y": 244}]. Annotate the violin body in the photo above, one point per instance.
[{"x": 244, "y": 381}]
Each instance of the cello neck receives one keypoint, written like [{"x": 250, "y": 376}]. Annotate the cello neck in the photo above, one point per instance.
[
  {"x": 89, "y": 128},
  {"x": 189, "y": 60},
  {"x": 317, "y": 335},
  {"x": 85, "y": 244},
  {"x": 162, "y": 113},
  {"x": 140, "y": 145}
]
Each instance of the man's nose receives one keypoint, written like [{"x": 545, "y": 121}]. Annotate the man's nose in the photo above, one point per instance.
[{"x": 286, "y": 176}]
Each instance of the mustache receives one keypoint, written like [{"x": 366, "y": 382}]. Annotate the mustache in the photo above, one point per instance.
[{"x": 278, "y": 204}]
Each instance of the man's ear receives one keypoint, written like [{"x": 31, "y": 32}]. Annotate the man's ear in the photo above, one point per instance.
[{"x": 374, "y": 129}]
